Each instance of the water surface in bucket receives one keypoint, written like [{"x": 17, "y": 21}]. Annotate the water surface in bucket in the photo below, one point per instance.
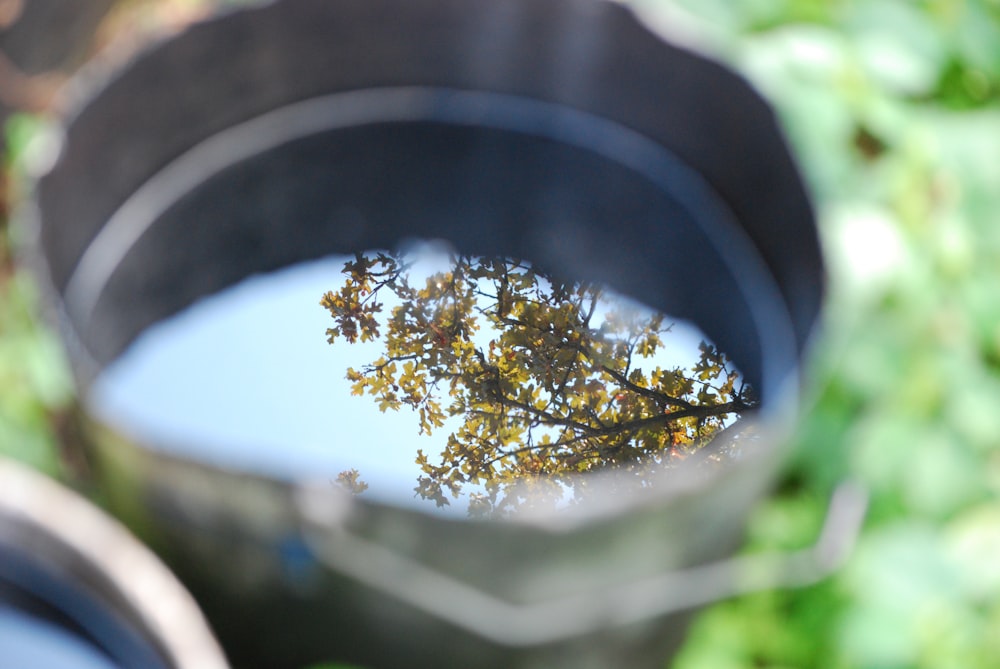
[
  {"x": 468, "y": 386},
  {"x": 35, "y": 641}
]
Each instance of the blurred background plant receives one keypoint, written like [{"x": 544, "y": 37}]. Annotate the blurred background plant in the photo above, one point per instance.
[
  {"x": 36, "y": 395},
  {"x": 893, "y": 109}
]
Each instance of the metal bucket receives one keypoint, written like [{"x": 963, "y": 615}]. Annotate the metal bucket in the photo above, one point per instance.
[
  {"x": 76, "y": 590},
  {"x": 559, "y": 131}
]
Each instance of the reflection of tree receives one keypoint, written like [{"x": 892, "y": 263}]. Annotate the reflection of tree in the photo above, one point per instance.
[
  {"x": 545, "y": 376},
  {"x": 350, "y": 480}
]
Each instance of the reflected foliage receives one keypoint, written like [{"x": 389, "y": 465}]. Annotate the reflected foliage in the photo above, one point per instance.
[
  {"x": 350, "y": 480},
  {"x": 545, "y": 380}
]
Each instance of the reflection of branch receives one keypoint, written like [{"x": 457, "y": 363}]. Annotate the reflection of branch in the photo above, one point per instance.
[
  {"x": 594, "y": 417},
  {"x": 368, "y": 369},
  {"x": 699, "y": 412},
  {"x": 504, "y": 400},
  {"x": 591, "y": 454},
  {"x": 604, "y": 431},
  {"x": 625, "y": 427},
  {"x": 393, "y": 271},
  {"x": 660, "y": 398},
  {"x": 595, "y": 297}
]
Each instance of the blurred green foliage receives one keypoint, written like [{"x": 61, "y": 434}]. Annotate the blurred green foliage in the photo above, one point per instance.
[
  {"x": 35, "y": 386},
  {"x": 893, "y": 109},
  {"x": 33, "y": 383}
]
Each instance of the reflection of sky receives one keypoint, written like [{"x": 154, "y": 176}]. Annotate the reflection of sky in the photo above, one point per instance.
[
  {"x": 246, "y": 379},
  {"x": 29, "y": 641}
]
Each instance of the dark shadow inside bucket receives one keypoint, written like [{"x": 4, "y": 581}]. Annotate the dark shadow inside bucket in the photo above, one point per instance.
[{"x": 488, "y": 191}]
